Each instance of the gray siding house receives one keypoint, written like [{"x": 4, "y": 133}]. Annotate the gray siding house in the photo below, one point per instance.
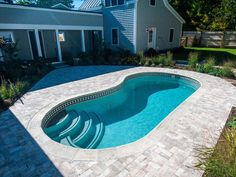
[
  {"x": 135, "y": 25},
  {"x": 55, "y": 34}
]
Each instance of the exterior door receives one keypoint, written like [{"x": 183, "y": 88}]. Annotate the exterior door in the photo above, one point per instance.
[{"x": 152, "y": 37}]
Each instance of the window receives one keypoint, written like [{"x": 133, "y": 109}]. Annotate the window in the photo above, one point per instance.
[
  {"x": 114, "y": 36},
  {"x": 6, "y": 37},
  {"x": 62, "y": 37},
  {"x": 121, "y": 2},
  {"x": 171, "y": 37},
  {"x": 113, "y": 2},
  {"x": 152, "y": 2},
  {"x": 150, "y": 34},
  {"x": 109, "y": 3}
]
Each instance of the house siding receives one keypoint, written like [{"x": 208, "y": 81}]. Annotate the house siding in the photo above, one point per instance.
[
  {"x": 50, "y": 44},
  {"x": 48, "y": 17},
  {"x": 121, "y": 17},
  {"x": 22, "y": 40},
  {"x": 160, "y": 17}
]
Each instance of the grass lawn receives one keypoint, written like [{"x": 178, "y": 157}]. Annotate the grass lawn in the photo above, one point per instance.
[
  {"x": 230, "y": 51},
  {"x": 221, "y": 55}
]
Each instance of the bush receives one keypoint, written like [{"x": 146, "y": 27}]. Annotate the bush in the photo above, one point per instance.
[
  {"x": 226, "y": 72},
  {"x": 169, "y": 59},
  {"x": 209, "y": 65},
  {"x": 150, "y": 52},
  {"x": 9, "y": 90},
  {"x": 193, "y": 60},
  {"x": 230, "y": 64},
  {"x": 221, "y": 160}
]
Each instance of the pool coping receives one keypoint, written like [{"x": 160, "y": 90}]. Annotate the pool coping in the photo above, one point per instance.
[
  {"x": 102, "y": 154},
  {"x": 212, "y": 94}
]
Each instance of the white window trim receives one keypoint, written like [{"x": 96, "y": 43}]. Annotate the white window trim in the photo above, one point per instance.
[
  {"x": 118, "y": 35},
  {"x": 173, "y": 35},
  {"x": 152, "y": 5}
]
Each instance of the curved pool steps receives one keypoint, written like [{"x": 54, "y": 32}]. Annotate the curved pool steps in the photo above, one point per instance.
[
  {"x": 74, "y": 127},
  {"x": 90, "y": 136},
  {"x": 54, "y": 130},
  {"x": 99, "y": 132},
  {"x": 87, "y": 133}
]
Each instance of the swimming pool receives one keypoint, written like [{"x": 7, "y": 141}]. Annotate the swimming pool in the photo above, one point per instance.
[{"x": 122, "y": 114}]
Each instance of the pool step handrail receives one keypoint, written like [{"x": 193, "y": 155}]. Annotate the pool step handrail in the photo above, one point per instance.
[
  {"x": 54, "y": 130},
  {"x": 100, "y": 129}
]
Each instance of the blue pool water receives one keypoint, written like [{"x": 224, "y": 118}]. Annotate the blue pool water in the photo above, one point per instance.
[{"x": 137, "y": 107}]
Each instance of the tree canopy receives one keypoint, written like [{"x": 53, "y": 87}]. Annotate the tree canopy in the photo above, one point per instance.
[{"x": 207, "y": 14}]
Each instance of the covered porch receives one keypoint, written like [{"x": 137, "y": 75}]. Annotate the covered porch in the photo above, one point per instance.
[
  {"x": 56, "y": 45},
  {"x": 53, "y": 34}
]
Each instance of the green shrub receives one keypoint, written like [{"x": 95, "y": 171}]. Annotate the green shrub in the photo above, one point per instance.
[
  {"x": 156, "y": 61},
  {"x": 221, "y": 160},
  {"x": 169, "y": 60},
  {"x": 193, "y": 60},
  {"x": 4, "y": 90},
  {"x": 209, "y": 65},
  {"x": 142, "y": 61},
  {"x": 230, "y": 64},
  {"x": 226, "y": 72},
  {"x": 9, "y": 90},
  {"x": 232, "y": 123}
]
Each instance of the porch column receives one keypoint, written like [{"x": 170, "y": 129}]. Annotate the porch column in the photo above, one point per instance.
[
  {"x": 83, "y": 41},
  {"x": 36, "y": 32},
  {"x": 58, "y": 46}
]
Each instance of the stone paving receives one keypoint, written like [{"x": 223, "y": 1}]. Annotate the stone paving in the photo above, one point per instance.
[{"x": 168, "y": 151}]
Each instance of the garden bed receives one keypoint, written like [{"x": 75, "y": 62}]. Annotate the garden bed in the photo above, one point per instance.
[
  {"x": 17, "y": 77},
  {"x": 220, "y": 160}
]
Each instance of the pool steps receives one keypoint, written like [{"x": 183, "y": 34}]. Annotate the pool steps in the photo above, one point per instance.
[
  {"x": 54, "y": 130},
  {"x": 80, "y": 130}
]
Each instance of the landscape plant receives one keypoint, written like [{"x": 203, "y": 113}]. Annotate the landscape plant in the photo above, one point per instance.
[{"x": 193, "y": 60}]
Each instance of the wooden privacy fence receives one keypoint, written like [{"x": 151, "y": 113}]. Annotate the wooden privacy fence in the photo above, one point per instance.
[{"x": 209, "y": 39}]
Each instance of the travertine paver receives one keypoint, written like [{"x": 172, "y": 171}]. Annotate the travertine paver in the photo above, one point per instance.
[{"x": 166, "y": 151}]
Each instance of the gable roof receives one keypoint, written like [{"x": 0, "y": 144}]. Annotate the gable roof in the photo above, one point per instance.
[
  {"x": 60, "y": 6},
  {"x": 90, "y": 4}
]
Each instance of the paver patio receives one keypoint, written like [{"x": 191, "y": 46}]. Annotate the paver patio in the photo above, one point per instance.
[{"x": 167, "y": 151}]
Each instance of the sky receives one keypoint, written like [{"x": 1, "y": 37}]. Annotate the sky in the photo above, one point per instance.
[{"x": 77, "y": 3}]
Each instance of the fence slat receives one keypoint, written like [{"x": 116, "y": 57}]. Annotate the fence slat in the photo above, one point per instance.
[{"x": 209, "y": 39}]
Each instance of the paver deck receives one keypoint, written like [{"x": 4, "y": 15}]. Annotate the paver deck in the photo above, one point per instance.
[{"x": 168, "y": 151}]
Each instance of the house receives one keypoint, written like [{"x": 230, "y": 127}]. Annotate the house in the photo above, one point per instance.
[
  {"x": 58, "y": 34},
  {"x": 137, "y": 25}
]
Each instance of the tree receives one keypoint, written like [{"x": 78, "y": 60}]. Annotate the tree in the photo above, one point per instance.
[
  {"x": 203, "y": 15},
  {"x": 225, "y": 16},
  {"x": 25, "y": 2}
]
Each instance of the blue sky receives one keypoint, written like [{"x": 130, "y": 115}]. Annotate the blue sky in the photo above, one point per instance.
[{"x": 77, "y": 3}]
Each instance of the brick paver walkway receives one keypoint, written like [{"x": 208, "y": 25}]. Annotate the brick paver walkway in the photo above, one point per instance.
[{"x": 166, "y": 152}]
